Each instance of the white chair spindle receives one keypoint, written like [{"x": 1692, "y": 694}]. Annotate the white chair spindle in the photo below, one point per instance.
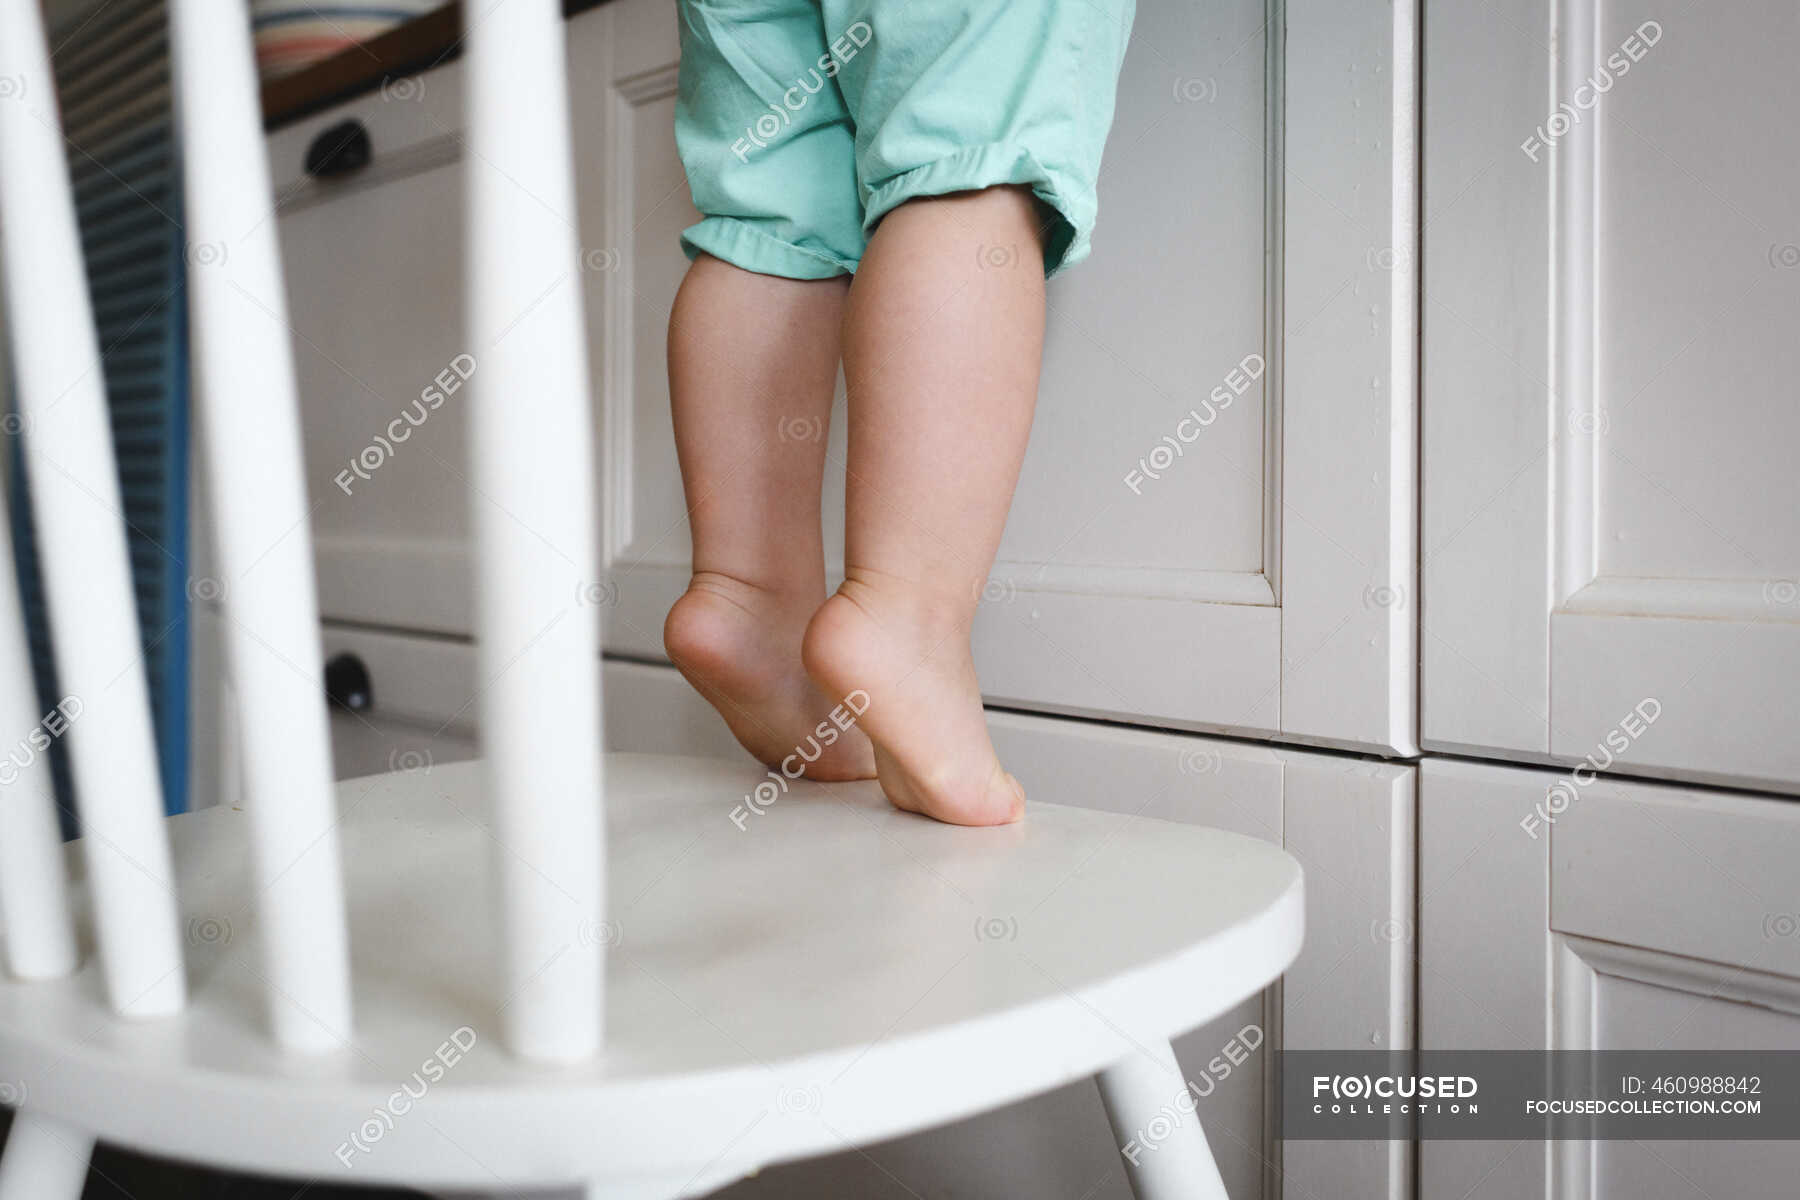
[
  {"x": 78, "y": 516},
  {"x": 250, "y": 422},
  {"x": 536, "y": 530},
  {"x": 46, "y": 1159},
  {"x": 34, "y": 903}
]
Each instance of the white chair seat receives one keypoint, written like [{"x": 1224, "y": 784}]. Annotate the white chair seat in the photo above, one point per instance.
[{"x": 832, "y": 973}]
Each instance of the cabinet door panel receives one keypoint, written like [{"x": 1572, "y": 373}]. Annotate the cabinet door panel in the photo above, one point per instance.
[
  {"x": 1142, "y": 332},
  {"x": 1696, "y": 298},
  {"x": 1610, "y": 505}
]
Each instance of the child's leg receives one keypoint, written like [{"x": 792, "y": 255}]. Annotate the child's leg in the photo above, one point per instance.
[
  {"x": 752, "y": 362},
  {"x": 942, "y": 342}
]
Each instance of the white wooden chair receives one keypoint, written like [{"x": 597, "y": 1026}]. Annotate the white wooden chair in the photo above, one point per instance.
[{"x": 401, "y": 979}]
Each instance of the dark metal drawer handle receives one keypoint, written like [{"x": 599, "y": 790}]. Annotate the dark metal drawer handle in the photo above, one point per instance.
[
  {"x": 347, "y": 684},
  {"x": 339, "y": 150}
]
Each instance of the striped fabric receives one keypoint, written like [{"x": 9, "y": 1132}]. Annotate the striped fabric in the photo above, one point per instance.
[
  {"x": 112, "y": 73},
  {"x": 291, "y": 35}
]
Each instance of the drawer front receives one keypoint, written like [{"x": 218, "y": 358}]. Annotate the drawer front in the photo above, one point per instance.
[
  {"x": 401, "y": 123},
  {"x": 424, "y": 708}
]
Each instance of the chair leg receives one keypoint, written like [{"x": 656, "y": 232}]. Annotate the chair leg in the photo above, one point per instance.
[
  {"x": 45, "y": 1159},
  {"x": 1152, "y": 1113}
]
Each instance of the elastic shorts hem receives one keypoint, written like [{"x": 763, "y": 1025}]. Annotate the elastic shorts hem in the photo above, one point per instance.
[
  {"x": 744, "y": 245},
  {"x": 1066, "y": 243}
]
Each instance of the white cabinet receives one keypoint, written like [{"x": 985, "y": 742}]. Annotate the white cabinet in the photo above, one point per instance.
[
  {"x": 1611, "y": 289},
  {"x": 1639, "y": 916},
  {"x": 1609, "y": 550},
  {"x": 1215, "y": 529}
]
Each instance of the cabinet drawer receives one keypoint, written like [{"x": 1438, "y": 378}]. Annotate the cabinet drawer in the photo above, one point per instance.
[
  {"x": 425, "y": 705},
  {"x": 405, "y": 122}
]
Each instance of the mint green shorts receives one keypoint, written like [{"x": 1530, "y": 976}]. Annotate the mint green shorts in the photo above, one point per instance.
[{"x": 801, "y": 123}]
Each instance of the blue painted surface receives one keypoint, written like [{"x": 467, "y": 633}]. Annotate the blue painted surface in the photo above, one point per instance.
[{"x": 127, "y": 196}]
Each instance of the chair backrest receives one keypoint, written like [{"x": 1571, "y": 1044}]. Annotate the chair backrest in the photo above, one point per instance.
[{"x": 535, "y": 524}]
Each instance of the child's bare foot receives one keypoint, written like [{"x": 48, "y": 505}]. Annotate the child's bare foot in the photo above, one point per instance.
[
  {"x": 925, "y": 717},
  {"x": 739, "y": 646}
]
